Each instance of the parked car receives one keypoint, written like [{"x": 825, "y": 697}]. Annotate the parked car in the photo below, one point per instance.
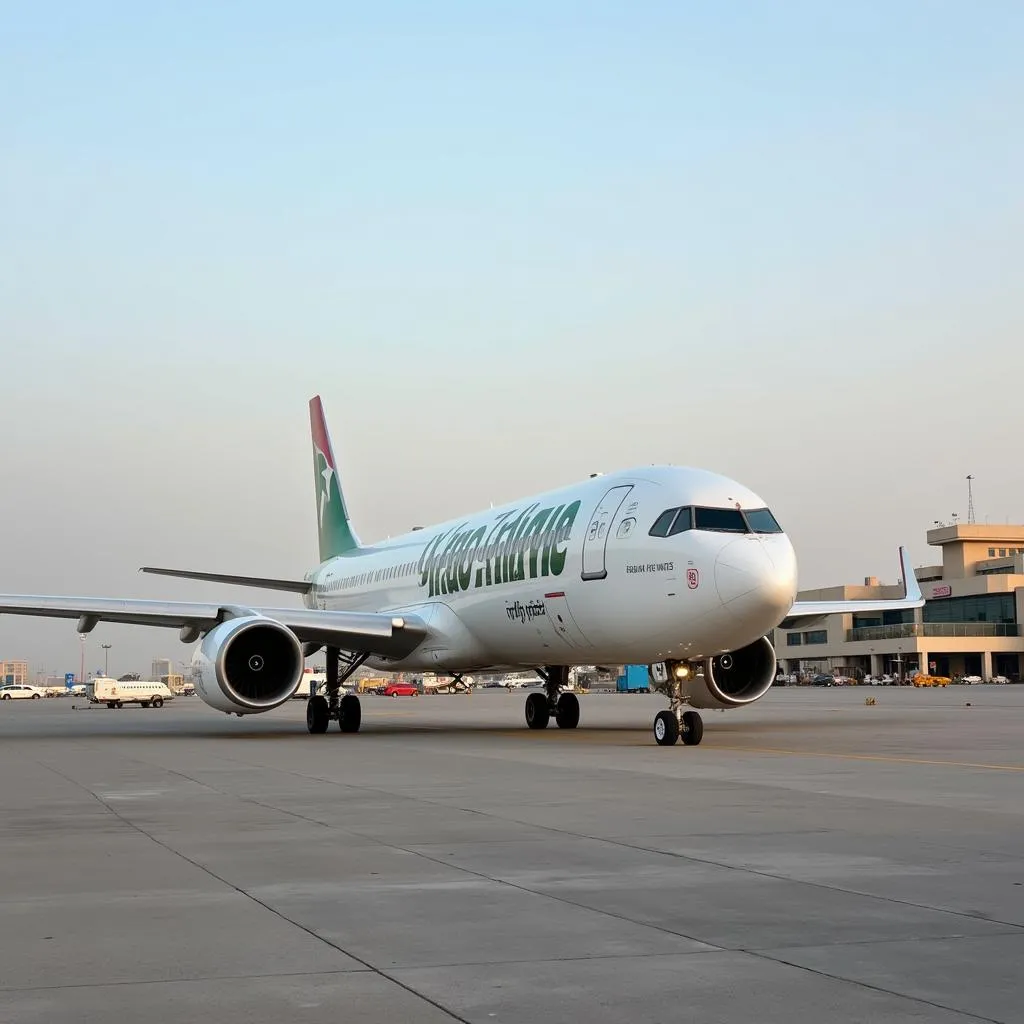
[
  {"x": 970, "y": 680},
  {"x": 401, "y": 690},
  {"x": 1000, "y": 679},
  {"x": 821, "y": 679},
  {"x": 19, "y": 691},
  {"x": 920, "y": 680}
]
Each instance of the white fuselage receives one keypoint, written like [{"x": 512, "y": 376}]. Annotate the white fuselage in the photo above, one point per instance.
[{"x": 574, "y": 576}]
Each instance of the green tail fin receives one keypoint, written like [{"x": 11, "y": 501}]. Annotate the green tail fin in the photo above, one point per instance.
[{"x": 336, "y": 534}]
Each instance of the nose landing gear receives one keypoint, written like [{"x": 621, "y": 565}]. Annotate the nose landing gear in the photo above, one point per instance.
[
  {"x": 564, "y": 706},
  {"x": 680, "y": 721}
]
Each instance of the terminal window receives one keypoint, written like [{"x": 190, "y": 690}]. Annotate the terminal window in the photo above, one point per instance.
[
  {"x": 816, "y": 636},
  {"x": 982, "y": 608}
]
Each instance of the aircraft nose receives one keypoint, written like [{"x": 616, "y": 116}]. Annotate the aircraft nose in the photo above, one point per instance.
[{"x": 756, "y": 580}]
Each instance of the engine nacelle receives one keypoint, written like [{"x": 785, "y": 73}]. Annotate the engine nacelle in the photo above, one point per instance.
[
  {"x": 727, "y": 680},
  {"x": 247, "y": 665}
]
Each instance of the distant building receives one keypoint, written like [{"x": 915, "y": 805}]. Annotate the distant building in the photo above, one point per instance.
[
  {"x": 162, "y": 667},
  {"x": 14, "y": 672},
  {"x": 970, "y": 624}
]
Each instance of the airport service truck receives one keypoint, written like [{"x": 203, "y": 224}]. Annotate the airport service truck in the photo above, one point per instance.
[{"x": 115, "y": 693}]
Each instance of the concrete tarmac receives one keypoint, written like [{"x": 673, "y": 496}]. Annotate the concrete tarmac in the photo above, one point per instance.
[{"x": 815, "y": 859}]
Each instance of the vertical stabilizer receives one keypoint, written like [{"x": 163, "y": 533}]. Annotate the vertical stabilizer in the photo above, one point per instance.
[{"x": 336, "y": 534}]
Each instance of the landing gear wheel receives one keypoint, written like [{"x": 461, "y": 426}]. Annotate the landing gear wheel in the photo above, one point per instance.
[
  {"x": 567, "y": 711},
  {"x": 537, "y": 711},
  {"x": 318, "y": 715},
  {"x": 666, "y": 728},
  {"x": 157, "y": 702},
  {"x": 350, "y": 713},
  {"x": 692, "y": 728}
]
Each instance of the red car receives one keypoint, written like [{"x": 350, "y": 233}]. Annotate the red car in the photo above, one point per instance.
[{"x": 401, "y": 690}]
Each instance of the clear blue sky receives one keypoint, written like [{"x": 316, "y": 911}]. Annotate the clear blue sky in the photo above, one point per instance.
[{"x": 509, "y": 244}]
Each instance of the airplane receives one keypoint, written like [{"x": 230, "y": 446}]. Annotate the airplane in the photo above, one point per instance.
[{"x": 677, "y": 568}]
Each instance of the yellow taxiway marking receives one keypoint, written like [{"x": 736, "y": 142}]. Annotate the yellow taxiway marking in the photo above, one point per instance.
[{"x": 874, "y": 757}]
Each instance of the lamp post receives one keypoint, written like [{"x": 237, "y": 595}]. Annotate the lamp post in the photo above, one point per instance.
[
  {"x": 106, "y": 659},
  {"x": 81, "y": 668}
]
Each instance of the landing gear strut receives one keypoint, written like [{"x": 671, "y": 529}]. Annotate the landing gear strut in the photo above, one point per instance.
[
  {"x": 347, "y": 710},
  {"x": 457, "y": 681},
  {"x": 680, "y": 720},
  {"x": 563, "y": 705}
]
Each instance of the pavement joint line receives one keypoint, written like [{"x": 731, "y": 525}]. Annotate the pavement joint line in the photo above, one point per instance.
[
  {"x": 1013, "y": 927},
  {"x": 872, "y": 757},
  {"x": 277, "y": 913},
  {"x": 206, "y": 979},
  {"x": 761, "y": 953},
  {"x": 821, "y": 885},
  {"x": 712, "y": 947},
  {"x": 634, "y": 846},
  {"x": 817, "y": 972},
  {"x": 917, "y": 940},
  {"x": 469, "y": 871}
]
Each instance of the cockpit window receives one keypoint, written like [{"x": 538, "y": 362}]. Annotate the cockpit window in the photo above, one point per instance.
[
  {"x": 663, "y": 522},
  {"x": 684, "y": 521},
  {"x": 762, "y": 521},
  {"x": 724, "y": 520},
  {"x": 720, "y": 520}
]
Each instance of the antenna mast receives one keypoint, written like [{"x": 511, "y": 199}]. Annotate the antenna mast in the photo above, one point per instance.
[{"x": 970, "y": 498}]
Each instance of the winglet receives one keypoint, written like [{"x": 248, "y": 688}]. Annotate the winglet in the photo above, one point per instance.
[
  {"x": 911, "y": 588},
  {"x": 806, "y": 613},
  {"x": 336, "y": 534}
]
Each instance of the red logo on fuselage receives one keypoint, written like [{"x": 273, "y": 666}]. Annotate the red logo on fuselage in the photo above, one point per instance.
[{"x": 693, "y": 578}]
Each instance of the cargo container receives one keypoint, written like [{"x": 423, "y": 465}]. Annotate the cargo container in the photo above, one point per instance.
[{"x": 634, "y": 679}]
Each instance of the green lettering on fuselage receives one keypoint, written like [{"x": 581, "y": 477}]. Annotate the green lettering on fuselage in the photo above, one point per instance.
[{"x": 518, "y": 545}]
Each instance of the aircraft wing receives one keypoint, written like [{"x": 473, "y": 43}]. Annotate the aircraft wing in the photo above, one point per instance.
[
  {"x": 263, "y": 582},
  {"x": 391, "y": 636},
  {"x": 806, "y": 613}
]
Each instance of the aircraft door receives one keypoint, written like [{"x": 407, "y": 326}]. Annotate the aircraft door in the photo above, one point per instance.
[{"x": 595, "y": 541}]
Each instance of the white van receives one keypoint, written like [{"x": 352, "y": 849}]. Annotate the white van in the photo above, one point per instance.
[{"x": 115, "y": 693}]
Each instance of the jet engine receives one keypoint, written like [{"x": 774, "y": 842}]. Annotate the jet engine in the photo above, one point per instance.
[
  {"x": 726, "y": 680},
  {"x": 247, "y": 665}
]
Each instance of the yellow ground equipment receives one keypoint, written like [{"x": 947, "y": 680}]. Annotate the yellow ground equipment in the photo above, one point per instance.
[{"x": 931, "y": 680}]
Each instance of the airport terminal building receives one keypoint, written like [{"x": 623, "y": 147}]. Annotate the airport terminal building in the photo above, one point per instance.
[{"x": 969, "y": 626}]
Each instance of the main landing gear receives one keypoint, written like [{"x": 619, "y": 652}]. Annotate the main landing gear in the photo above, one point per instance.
[
  {"x": 457, "y": 683},
  {"x": 679, "y": 721},
  {"x": 321, "y": 711},
  {"x": 564, "y": 706}
]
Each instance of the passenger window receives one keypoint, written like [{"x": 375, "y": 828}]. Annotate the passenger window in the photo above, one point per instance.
[
  {"x": 662, "y": 523},
  {"x": 762, "y": 521},
  {"x": 684, "y": 521},
  {"x": 723, "y": 520}
]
